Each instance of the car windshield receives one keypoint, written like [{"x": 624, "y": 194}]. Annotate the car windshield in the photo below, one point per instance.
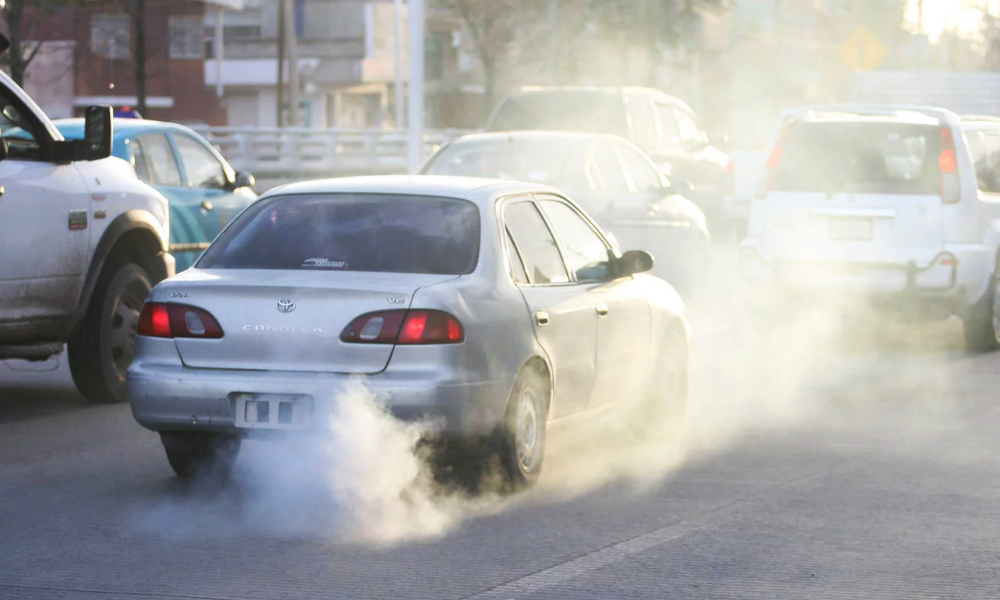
[
  {"x": 591, "y": 112},
  {"x": 351, "y": 232},
  {"x": 543, "y": 162},
  {"x": 876, "y": 158}
]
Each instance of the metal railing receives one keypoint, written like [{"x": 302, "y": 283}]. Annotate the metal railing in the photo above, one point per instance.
[{"x": 309, "y": 153}]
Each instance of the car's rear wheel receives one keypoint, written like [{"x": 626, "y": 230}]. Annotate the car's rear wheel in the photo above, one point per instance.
[
  {"x": 102, "y": 350},
  {"x": 192, "y": 454},
  {"x": 661, "y": 413},
  {"x": 982, "y": 325},
  {"x": 522, "y": 450}
]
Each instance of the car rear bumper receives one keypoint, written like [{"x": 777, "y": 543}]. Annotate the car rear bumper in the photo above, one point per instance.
[
  {"x": 955, "y": 277},
  {"x": 173, "y": 397}
]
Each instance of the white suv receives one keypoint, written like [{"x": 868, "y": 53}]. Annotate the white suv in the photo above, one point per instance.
[
  {"x": 82, "y": 242},
  {"x": 895, "y": 207}
]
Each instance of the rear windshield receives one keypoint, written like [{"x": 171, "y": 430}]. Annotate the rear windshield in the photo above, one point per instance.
[
  {"x": 562, "y": 111},
  {"x": 351, "y": 232},
  {"x": 876, "y": 158},
  {"x": 543, "y": 162}
]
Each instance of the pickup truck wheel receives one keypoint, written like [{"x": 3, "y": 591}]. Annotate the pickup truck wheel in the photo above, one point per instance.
[{"x": 103, "y": 348}]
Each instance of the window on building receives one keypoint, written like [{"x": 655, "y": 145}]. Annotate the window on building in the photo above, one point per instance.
[
  {"x": 110, "y": 36},
  {"x": 187, "y": 39}
]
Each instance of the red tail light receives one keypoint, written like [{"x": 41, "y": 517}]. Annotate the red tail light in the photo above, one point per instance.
[
  {"x": 773, "y": 160},
  {"x": 169, "y": 320},
  {"x": 730, "y": 167},
  {"x": 951, "y": 191},
  {"x": 404, "y": 327}
]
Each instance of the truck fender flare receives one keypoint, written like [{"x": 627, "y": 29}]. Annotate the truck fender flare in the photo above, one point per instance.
[{"x": 130, "y": 221}]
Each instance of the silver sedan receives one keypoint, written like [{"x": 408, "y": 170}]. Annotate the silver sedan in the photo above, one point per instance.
[{"x": 496, "y": 308}]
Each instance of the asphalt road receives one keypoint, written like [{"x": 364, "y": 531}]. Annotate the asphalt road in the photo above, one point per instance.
[{"x": 813, "y": 466}]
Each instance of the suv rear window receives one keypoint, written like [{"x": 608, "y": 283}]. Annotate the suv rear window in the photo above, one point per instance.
[
  {"x": 351, "y": 232},
  {"x": 858, "y": 157},
  {"x": 589, "y": 112}
]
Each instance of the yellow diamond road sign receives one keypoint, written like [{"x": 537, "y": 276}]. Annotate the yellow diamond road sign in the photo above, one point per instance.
[{"x": 862, "y": 51}]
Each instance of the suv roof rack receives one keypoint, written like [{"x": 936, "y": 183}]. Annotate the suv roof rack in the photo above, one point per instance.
[{"x": 980, "y": 118}]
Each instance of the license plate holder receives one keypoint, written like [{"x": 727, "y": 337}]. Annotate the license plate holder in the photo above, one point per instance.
[
  {"x": 849, "y": 228},
  {"x": 273, "y": 411}
]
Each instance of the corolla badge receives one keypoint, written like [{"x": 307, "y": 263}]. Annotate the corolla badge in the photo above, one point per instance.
[{"x": 286, "y": 305}]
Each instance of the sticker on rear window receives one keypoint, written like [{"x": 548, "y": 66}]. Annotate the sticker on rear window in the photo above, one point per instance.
[{"x": 324, "y": 263}]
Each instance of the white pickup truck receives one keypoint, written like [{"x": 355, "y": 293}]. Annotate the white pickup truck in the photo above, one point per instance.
[{"x": 82, "y": 242}]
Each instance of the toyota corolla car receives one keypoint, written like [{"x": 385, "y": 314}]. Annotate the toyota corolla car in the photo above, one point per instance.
[
  {"x": 610, "y": 177},
  {"x": 494, "y": 308}
]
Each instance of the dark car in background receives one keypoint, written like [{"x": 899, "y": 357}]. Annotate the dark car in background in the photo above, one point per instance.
[
  {"x": 610, "y": 177},
  {"x": 662, "y": 125}
]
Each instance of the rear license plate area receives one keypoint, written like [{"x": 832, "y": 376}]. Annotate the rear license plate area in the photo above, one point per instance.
[
  {"x": 849, "y": 228},
  {"x": 273, "y": 411}
]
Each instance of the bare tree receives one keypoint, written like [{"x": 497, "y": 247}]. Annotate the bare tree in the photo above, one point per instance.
[
  {"x": 25, "y": 24},
  {"x": 492, "y": 26}
]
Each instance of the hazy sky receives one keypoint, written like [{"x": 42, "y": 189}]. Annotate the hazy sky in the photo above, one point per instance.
[{"x": 946, "y": 14}]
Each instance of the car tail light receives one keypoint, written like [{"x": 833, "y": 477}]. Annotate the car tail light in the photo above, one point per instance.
[
  {"x": 730, "y": 167},
  {"x": 404, "y": 327},
  {"x": 169, "y": 320},
  {"x": 951, "y": 191}
]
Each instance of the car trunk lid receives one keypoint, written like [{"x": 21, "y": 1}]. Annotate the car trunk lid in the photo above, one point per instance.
[{"x": 291, "y": 321}]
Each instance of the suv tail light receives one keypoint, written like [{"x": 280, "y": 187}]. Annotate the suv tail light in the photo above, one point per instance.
[
  {"x": 773, "y": 160},
  {"x": 404, "y": 327},
  {"x": 951, "y": 190},
  {"x": 169, "y": 320}
]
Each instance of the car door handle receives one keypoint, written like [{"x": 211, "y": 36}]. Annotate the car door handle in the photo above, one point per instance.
[
  {"x": 542, "y": 317},
  {"x": 602, "y": 310},
  {"x": 206, "y": 205}
]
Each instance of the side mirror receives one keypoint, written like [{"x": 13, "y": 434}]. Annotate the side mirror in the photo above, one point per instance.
[
  {"x": 720, "y": 140},
  {"x": 681, "y": 187},
  {"x": 98, "y": 132},
  {"x": 244, "y": 180},
  {"x": 635, "y": 261}
]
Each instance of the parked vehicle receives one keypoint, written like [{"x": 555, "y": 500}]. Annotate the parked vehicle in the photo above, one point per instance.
[
  {"x": 662, "y": 125},
  {"x": 82, "y": 241},
  {"x": 894, "y": 207},
  {"x": 203, "y": 190},
  {"x": 610, "y": 177},
  {"x": 497, "y": 307}
]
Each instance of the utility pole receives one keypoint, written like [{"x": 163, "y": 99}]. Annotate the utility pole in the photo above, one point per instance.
[
  {"x": 291, "y": 37},
  {"x": 554, "y": 34},
  {"x": 416, "y": 124},
  {"x": 280, "y": 87},
  {"x": 218, "y": 50},
  {"x": 140, "y": 56},
  {"x": 397, "y": 20}
]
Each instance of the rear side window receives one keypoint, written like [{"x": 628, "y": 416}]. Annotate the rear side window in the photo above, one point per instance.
[
  {"x": 985, "y": 149},
  {"x": 157, "y": 157},
  {"x": 535, "y": 244},
  {"x": 859, "y": 158},
  {"x": 351, "y": 232}
]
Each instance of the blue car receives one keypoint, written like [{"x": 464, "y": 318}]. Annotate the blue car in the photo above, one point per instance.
[{"x": 203, "y": 190}]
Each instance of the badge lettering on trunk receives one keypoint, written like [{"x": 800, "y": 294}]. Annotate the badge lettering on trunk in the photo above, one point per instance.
[
  {"x": 77, "y": 220},
  {"x": 396, "y": 300}
]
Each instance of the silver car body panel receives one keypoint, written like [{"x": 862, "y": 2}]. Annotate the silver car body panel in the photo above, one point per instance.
[{"x": 194, "y": 384}]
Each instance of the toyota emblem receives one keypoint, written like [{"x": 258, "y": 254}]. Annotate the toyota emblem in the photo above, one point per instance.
[{"x": 286, "y": 305}]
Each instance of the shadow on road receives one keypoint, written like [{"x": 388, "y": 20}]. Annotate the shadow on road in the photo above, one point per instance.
[{"x": 34, "y": 390}]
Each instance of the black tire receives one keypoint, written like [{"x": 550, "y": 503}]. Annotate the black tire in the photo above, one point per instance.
[
  {"x": 196, "y": 454},
  {"x": 982, "y": 324},
  {"x": 103, "y": 348},
  {"x": 661, "y": 413},
  {"x": 522, "y": 448}
]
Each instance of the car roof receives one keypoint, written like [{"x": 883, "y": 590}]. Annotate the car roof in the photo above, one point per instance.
[
  {"x": 532, "y": 136},
  {"x": 589, "y": 89},
  {"x": 122, "y": 127},
  {"x": 872, "y": 113},
  {"x": 479, "y": 190}
]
